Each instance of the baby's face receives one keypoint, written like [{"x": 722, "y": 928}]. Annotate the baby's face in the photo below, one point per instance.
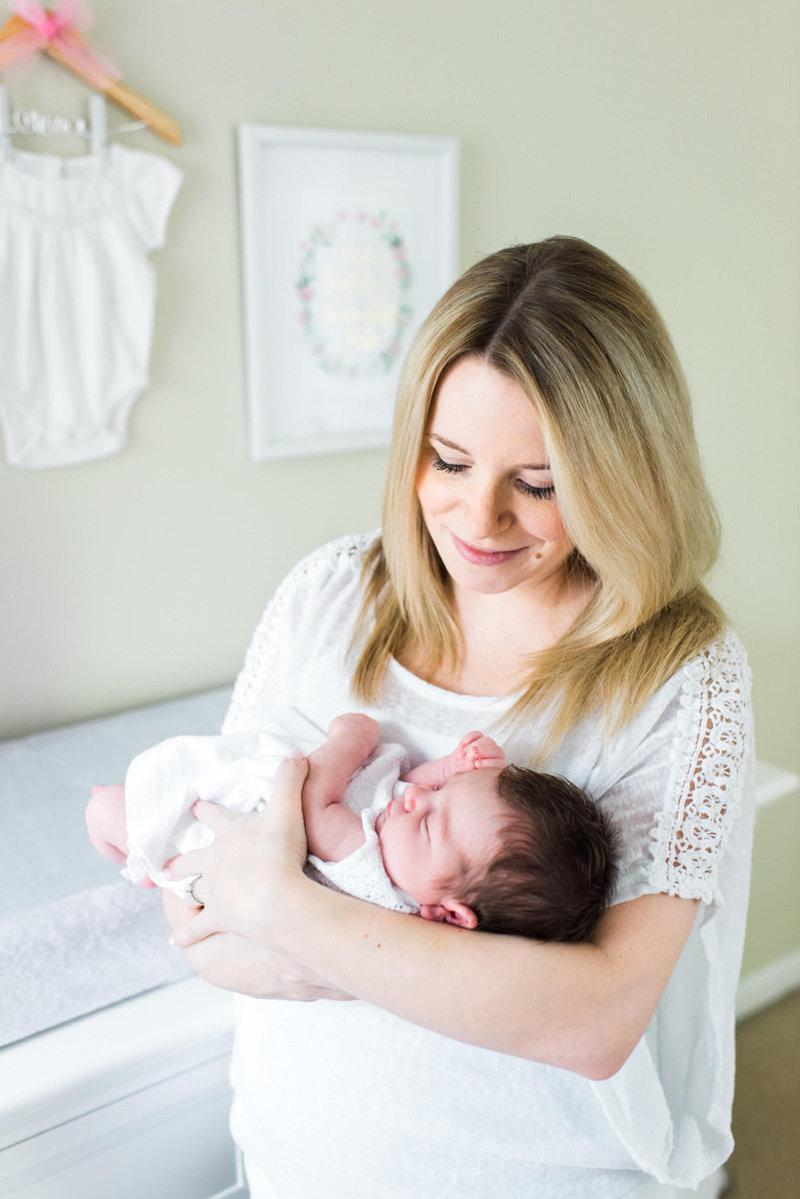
[{"x": 428, "y": 838}]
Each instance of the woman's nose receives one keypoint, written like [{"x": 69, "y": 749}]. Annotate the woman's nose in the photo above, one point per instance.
[{"x": 487, "y": 511}]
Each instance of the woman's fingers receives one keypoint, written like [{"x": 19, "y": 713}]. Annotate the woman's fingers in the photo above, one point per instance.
[
  {"x": 197, "y": 929},
  {"x": 291, "y": 774},
  {"x": 288, "y": 832},
  {"x": 244, "y": 877},
  {"x": 185, "y": 864},
  {"x": 212, "y": 815}
]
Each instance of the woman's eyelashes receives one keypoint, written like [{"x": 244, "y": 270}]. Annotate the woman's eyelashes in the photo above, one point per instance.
[
  {"x": 540, "y": 493},
  {"x": 449, "y": 468},
  {"x": 455, "y": 468}
]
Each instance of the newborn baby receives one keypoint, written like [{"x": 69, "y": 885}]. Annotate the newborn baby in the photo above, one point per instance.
[{"x": 463, "y": 839}]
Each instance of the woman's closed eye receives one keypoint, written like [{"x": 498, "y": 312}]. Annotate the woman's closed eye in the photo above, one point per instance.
[
  {"x": 449, "y": 468},
  {"x": 539, "y": 493},
  {"x": 525, "y": 488}
]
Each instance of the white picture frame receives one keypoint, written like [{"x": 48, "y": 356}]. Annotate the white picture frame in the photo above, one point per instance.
[{"x": 347, "y": 240}]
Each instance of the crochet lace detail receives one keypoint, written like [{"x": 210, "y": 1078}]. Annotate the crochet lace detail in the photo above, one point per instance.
[{"x": 712, "y": 738}]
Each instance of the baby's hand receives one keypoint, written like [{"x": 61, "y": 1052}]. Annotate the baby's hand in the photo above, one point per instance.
[{"x": 474, "y": 752}]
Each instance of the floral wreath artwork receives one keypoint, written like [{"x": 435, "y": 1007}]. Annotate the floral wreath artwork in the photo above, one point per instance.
[{"x": 354, "y": 284}]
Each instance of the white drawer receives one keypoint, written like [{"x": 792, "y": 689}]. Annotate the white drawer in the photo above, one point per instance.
[{"x": 167, "y": 1141}]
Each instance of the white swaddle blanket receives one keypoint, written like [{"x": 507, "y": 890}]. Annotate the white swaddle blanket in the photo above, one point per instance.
[{"x": 238, "y": 771}]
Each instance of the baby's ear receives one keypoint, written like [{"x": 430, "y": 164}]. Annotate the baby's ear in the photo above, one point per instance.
[{"x": 449, "y": 911}]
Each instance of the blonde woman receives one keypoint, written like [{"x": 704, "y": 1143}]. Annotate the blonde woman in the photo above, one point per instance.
[{"x": 546, "y": 532}]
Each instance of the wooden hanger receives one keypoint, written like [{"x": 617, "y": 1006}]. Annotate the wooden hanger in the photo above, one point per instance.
[{"x": 160, "y": 122}]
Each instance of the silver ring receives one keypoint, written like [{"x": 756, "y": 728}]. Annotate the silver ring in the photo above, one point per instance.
[{"x": 189, "y": 889}]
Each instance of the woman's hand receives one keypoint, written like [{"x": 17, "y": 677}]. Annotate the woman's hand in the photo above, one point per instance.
[
  {"x": 248, "y": 878},
  {"x": 247, "y": 873},
  {"x": 236, "y": 964}
]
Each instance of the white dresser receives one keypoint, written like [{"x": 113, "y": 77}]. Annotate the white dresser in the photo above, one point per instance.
[
  {"x": 127, "y": 1102},
  {"x": 113, "y": 1075}
]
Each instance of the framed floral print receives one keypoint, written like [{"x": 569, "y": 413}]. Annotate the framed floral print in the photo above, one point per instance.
[{"x": 348, "y": 239}]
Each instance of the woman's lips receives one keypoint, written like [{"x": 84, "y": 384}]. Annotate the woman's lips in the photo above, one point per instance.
[{"x": 482, "y": 557}]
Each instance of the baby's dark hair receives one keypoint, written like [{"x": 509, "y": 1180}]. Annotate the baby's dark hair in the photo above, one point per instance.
[{"x": 554, "y": 875}]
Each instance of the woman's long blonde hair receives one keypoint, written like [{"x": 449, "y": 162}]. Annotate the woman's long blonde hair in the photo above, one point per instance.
[{"x": 587, "y": 345}]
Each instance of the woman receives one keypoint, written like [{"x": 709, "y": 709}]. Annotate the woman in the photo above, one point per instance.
[{"x": 546, "y": 530}]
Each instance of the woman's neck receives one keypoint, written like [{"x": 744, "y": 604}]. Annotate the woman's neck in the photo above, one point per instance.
[{"x": 500, "y": 632}]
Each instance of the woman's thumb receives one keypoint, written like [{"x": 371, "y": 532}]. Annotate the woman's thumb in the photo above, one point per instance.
[{"x": 291, "y": 773}]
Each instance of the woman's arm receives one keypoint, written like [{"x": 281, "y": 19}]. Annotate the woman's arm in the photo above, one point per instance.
[{"x": 581, "y": 1007}]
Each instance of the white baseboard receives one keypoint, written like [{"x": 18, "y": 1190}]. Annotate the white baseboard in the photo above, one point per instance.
[{"x": 765, "y": 986}]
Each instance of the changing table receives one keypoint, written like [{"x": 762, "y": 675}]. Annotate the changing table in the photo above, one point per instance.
[{"x": 113, "y": 1071}]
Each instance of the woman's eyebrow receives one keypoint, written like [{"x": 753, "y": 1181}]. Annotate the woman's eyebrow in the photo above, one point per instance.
[{"x": 453, "y": 446}]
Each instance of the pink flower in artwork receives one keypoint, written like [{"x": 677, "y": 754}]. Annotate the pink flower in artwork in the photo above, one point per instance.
[
  {"x": 303, "y": 317},
  {"x": 306, "y": 293}
]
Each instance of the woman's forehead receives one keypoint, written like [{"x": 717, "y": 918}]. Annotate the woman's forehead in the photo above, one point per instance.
[{"x": 476, "y": 405}]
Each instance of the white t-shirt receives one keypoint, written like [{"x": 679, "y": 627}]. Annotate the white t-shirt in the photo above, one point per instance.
[{"x": 348, "y": 1100}]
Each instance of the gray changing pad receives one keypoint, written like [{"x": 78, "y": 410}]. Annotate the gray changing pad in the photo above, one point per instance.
[{"x": 73, "y": 936}]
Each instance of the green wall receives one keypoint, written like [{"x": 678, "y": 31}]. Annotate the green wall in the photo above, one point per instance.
[{"x": 666, "y": 131}]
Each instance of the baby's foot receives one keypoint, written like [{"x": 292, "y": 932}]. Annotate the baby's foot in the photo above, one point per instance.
[
  {"x": 476, "y": 752},
  {"x": 105, "y": 820}
]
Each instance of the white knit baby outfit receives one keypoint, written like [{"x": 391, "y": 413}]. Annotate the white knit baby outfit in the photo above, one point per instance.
[{"x": 77, "y": 297}]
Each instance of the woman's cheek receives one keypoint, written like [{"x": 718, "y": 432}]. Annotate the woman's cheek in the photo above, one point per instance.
[
  {"x": 556, "y": 530},
  {"x": 432, "y": 492}
]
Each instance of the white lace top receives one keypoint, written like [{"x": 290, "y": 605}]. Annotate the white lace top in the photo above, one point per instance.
[{"x": 346, "y": 1099}]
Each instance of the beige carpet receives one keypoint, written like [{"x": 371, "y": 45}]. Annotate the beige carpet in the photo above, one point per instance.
[{"x": 766, "y": 1110}]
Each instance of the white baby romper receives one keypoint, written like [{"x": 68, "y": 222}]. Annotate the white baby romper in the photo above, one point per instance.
[{"x": 77, "y": 297}]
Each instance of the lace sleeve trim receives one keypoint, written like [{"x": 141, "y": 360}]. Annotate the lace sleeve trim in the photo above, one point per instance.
[
  {"x": 270, "y": 636},
  {"x": 711, "y": 742}
]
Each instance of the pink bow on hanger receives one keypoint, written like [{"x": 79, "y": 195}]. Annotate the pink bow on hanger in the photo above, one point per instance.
[{"x": 59, "y": 28}]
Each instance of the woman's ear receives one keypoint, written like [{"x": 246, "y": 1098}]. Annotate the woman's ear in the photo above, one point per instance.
[{"x": 450, "y": 911}]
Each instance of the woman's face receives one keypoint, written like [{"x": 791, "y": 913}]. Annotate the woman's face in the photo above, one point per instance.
[{"x": 485, "y": 486}]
